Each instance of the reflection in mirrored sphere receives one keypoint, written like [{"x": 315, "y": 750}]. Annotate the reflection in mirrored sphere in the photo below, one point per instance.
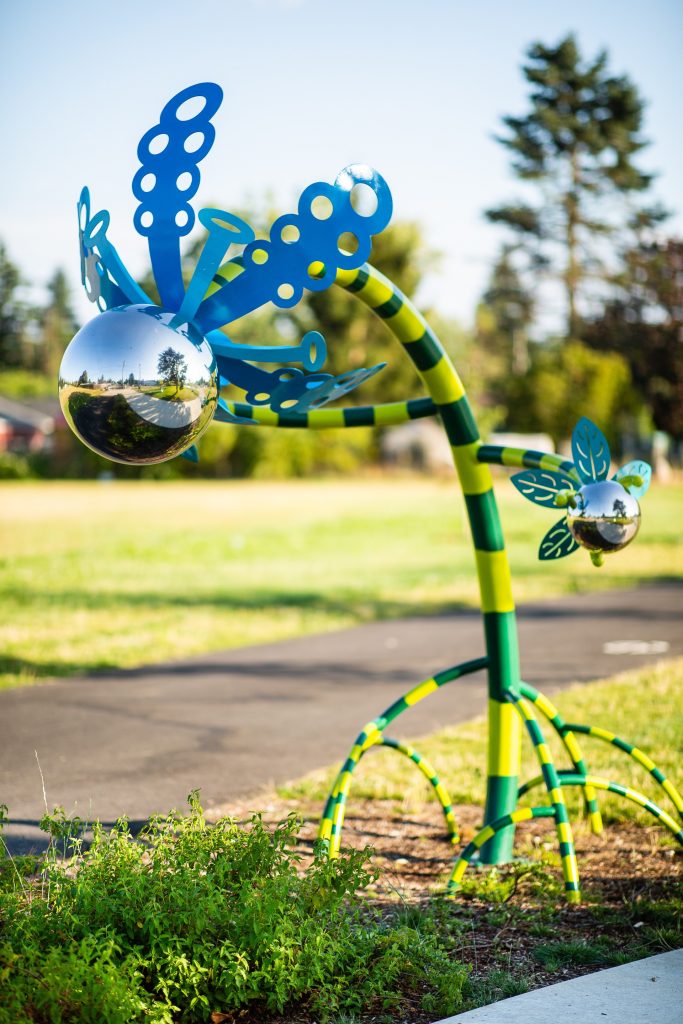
[
  {"x": 606, "y": 517},
  {"x": 135, "y": 389}
]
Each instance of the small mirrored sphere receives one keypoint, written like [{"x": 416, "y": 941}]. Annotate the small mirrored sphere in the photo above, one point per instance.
[
  {"x": 606, "y": 517},
  {"x": 136, "y": 389}
]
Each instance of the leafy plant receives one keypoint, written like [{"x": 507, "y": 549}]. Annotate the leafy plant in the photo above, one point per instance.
[{"x": 191, "y": 919}]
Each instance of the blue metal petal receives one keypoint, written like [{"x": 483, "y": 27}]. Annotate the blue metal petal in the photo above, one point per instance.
[{"x": 636, "y": 468}]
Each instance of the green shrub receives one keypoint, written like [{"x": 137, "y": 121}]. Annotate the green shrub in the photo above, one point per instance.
[{"x": 190, "y": 919}]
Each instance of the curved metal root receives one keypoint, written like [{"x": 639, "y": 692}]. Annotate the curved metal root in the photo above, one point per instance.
[
  {"x": 372, "y": 735},
  {"x": 552, "y": 784},
  {"x": 432, "y": 778},
  {"x": 521, "y": 814},
  {"x": 574, "y": 779},
  {"x": 566, "y": 734},
  {"x": 638, "y": 755}
]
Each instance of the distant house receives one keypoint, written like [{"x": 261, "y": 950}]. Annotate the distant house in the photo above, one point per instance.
[{"x": 28, "y": 425}]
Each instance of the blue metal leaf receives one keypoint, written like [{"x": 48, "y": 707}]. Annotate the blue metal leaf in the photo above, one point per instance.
[
  {"x": 305, "y": 249},
  {"x": 557, "y": 543},
  {"x": 169, "y": 177},
  {"x": 541, "y": 485},
  {"x": 635, "y": 468},
  {"x": 590, "y": 452}
]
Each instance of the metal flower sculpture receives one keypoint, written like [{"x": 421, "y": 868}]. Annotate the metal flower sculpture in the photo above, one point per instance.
[
  {"x": 113, "y": 390},
  {"x": 602, "y": 515},
  {"x": 141, "y": 381}
]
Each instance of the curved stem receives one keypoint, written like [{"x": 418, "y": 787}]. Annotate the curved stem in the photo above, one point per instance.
[
  {"x": 638, "y": 755},
  {"x": 552, "y": 784},
  {"x": 548, "y": 709},
  {"x": 497, "y": 604},
  {"x": 526, "y": 458},
  {"x": 388, "y": 414}
]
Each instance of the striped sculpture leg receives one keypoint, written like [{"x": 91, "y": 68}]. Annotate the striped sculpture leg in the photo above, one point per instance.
[
  {"x": 552, "y": 784},
  {"x": 335, "y": 809},
  {"x": 371, "y": 735},
  {"x": 573, "y": 779},
  {"x": 638, "y": 755},
  {"x": 548, "y": 709},
  {"x": 483, "y": 836},
  {"x": 432, "y": 778}
]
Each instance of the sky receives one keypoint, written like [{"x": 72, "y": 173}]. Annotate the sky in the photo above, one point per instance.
[{"x": 416, "y": 89}]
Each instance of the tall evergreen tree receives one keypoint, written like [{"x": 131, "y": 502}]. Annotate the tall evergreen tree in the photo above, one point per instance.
[
  {"x": 576, "y": 146},
  {"x": 644, "y": 323},
  {"x": 13, "y": 315},
  {"x": 506, "y": 313},
  {"x": 58, "y": 323}
]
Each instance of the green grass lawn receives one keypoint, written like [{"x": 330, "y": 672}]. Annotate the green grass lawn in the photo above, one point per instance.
[{"x": 96, "y": 575}]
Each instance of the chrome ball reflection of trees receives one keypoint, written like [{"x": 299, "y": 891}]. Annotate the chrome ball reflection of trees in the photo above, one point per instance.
[
  {"x": 605, "y": 517},
  {"x": 136, "y": 387}
]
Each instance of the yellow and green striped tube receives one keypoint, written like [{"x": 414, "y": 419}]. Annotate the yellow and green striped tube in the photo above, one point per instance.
[
  {"x": 596, "y": 782},
  {"x": 638, "y": 755},
  {"x": 548, "y": 709},
  {"x": 332, "y": 820},
  {"x": 388, "y": 414},
  {"x": 526, "y": 458},
  {"x": 333, "y": 815},
  {"x": 485, "y": 835},
  {"x": 448, "y": 394},
  {"x": 552, "y": 784},
  {"x": 432, "y": 778}
]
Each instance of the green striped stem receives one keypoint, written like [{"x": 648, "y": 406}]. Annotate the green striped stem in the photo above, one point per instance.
[
  {"x": 552, "y": 784},
  {"x": 484, "y": 836},
  {"x": 595, "y": 782},
  {"x": 448, "y": 394},
  {"x": 387, "y": 415},
  {"x": 637, "y": 755},
  {"x": 333, "y": 816},
  {"x": 548, "y": 709},
  {"x": 527, "y": 458}
]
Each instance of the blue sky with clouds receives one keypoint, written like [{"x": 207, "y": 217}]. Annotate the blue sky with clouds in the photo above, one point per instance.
[{"x": 416, "y": 89}]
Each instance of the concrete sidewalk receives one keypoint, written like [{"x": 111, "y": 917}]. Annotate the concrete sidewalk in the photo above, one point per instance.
[{"x": 643, "y": 992}]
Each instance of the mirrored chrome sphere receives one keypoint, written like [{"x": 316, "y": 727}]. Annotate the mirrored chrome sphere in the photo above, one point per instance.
[
  {"x": 135, "y": 389},
  {"x": 606, "y": 517}
]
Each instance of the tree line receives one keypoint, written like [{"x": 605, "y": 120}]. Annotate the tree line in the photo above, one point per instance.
[{"x": 584, "y": 232}]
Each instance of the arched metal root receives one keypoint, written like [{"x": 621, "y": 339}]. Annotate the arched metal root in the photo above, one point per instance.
[
  {"x": 432, "y": 778},
  {"x": 638, "y": 755},
  {"x": 521, "y": 814},
  {"x": 572, "y": 779},
  {"x": 548, "y": 709},
  {"x": 551, "y": 779},
  {"x": 335, "y": 809},
  {"x": 332, "y": 820}
]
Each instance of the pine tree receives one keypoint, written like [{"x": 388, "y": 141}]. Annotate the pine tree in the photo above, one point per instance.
[{"x": 576, "y": 146}]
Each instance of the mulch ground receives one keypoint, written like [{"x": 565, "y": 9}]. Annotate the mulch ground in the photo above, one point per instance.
[{"x": 628, "y": 878}]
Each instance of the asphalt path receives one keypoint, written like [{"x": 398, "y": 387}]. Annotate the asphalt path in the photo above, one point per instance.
[{"x": 137, "y": 742}]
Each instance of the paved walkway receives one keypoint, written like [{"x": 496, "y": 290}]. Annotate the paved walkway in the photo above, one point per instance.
[
  {"x": 645, "y": 992},
  {"x": 137, "y": 742}
]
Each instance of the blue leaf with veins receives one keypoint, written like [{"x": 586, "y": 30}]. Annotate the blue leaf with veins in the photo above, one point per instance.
[{"x": 590, "y": 452}]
